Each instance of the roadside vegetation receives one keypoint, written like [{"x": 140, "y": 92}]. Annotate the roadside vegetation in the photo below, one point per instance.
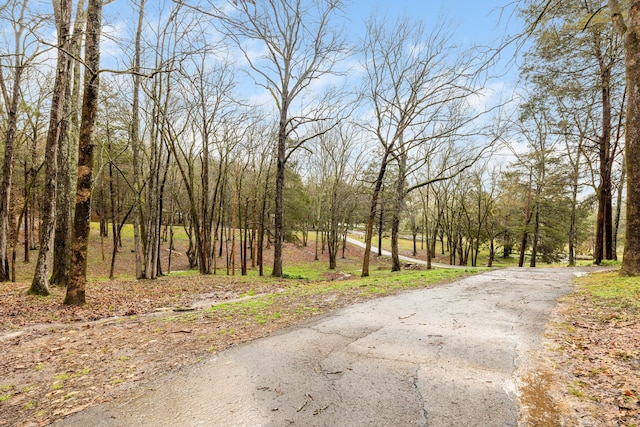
[{"x": 595, "y": 350}]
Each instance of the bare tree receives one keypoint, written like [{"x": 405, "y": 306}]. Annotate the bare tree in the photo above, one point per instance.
[
  {"x": 301, "y": 46},
  {"x": 35, "y": 127},
  {"x": 165, "y": 126},
  {"x": 211, "y": 114},
  {"x": 135, "y": 142},
  {"x": 335, "y": 162},
  {"x": 66, "y": 146},
  {"x": 56, "y": 132},
  {"x": 12, "y": 68},
  {"x": 418, "y": 86}
]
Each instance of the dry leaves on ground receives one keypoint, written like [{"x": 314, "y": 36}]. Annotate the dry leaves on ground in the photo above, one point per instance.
[
  {"x": 597, "y": 350},
  {"x": 57, "y": 360}
]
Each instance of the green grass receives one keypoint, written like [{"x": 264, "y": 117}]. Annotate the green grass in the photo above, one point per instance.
[
  {"x": 382, "y": 282},
  {"x": 614, "y": 298},
  {"x": 315, "y": 270},
  {"x": 251, "y": 306},
  {"x": 610, "y": 289},
  {"x": 8, "y": 392},
  {"x": 262, "y": 309},
  {"x": 61, "y": 377},
  {"x": 576, "y": 387}
]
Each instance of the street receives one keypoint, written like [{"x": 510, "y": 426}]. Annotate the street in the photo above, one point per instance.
[{"x": 444, "y": 356}]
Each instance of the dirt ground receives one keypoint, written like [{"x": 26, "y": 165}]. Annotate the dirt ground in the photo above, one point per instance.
[{"x": 56, "y": 360}]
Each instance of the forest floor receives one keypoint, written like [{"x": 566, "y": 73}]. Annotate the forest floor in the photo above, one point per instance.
[{"x": 56, "y": 360}]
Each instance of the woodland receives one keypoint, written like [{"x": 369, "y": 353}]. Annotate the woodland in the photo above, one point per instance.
[
  {"x": 158, "y": 154},
  {"x": 250, "y": 124}
]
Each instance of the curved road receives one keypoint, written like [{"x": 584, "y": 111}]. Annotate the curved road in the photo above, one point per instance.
[
  {"x": 360, "y": 244},
  {"x": 444, "y": 356}
]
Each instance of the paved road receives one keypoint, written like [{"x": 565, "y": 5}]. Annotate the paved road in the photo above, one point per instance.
[
  {"x": 445, "y": 356},
  {"x": 360, "y": 244}
]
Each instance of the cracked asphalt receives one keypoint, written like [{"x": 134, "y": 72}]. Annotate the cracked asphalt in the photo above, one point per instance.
[{"x": 445, "y": 356}]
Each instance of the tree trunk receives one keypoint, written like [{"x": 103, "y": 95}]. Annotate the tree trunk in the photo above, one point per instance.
[
  {"x": 66, "y": 145},
  {"x": 598, "y": 250},
  {"x": 245, "y": 247},
  {"x": 536, "y": 235},
  {"x": 574, "y": 208},
  {"x": 27, "y": 211},
  {"x": 333, "y": 235},
  {"x": 414, "y": 234},
  {"x": 380, "y": 229},
  {"x": 332, "y": 244},
  {"x": 279, "y": 196},
  {"x": 425, "y": 230},
  {"x": 616, "y": 219},
  {"x": 80, "y": 241},
  {"x": 616, "y": 222},
  {"x": 572, "y": 236},
  {"x": 397, "y": 211},
  {"x": 527, "y": 221},
  {"x": 7, "y": 171},
  {"x": 316, "y": 258},
  {"x": 344, "y": 241},
  {"x": 491, "y": 253},
  {"x": 60, "y": 273},
  {"x": 158, "y": 225},
  {"x": 40, "y": 283},
  {"x": 112, "y": 202},
  {"x": 604, "y": 224},
  {"x": 372, "y": 213},
  {"x": 631, "y": 258},
  {"x": 136, "y": 149}
]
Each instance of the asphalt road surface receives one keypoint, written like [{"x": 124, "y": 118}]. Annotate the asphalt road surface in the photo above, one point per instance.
[
  {"x": 407, "y": 259},
  {"x": 445, "y": 356}
]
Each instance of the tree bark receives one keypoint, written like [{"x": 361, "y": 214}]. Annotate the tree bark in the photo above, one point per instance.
[
  {"x": 80, "y": 241},
  {"x": 135, "y": 147},
  {"x": 536, "y": 235},
  {"x": 62, "y": 238},
  {"x": 631, "y": 33},
  {"x": 11, "y": 103},
  {"x": 279, "y": 195},
  {"x": 372, "y": 213},
  {"x": 397, "y": 210},
  {"x": 380, "y": 228},
  {"x": 57, "y": 125},
  {"x": 618, "y": 214},
  {"x": 27, "y": 212},
  {"x": 527, "y": 221}
]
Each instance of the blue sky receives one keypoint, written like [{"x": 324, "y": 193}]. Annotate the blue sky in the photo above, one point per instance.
[{"x": 473, "y": 21}]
